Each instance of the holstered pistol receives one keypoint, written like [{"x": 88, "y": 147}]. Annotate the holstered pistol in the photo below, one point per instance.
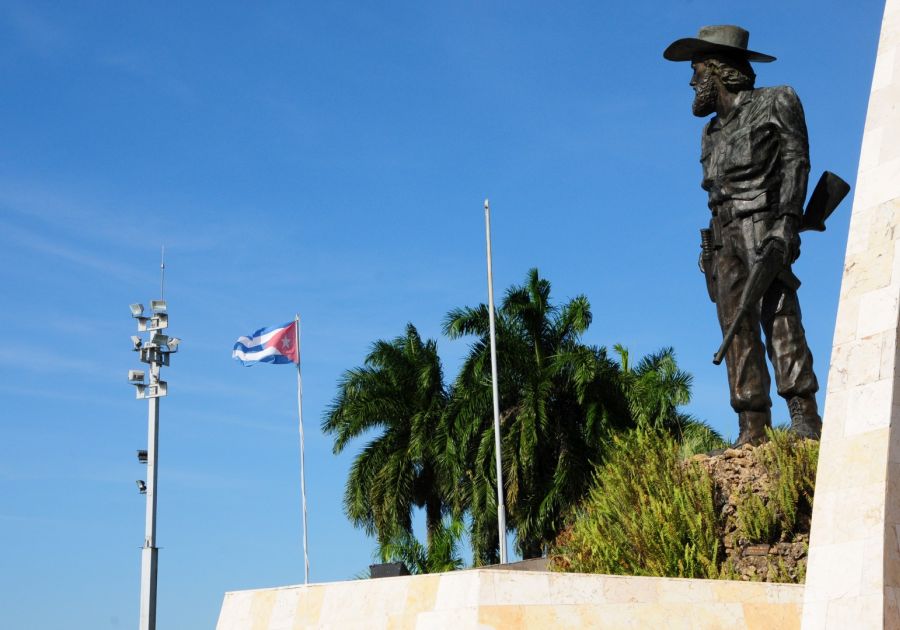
[{"x": 707, "y": 261}]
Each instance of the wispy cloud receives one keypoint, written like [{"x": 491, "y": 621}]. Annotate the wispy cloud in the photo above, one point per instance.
[
  {"x": 37, "y": 359},
  {"x": 198, "y": 479},
  {"x": 142, "y": 68},
  {"x": 100, "y": 219},
  {"x": 58, "y": 248},
  {"x": 122, "y": 475},
  {"x": 40, "y": 201},
  {"x": 84, "y": 327},
  {"x": 211, "y": 387},
  {"x": 34, "y": 30},
  {"x": 54, "y": 393},
  {"x": 32, "y": 520},
  {"x": 245, "y": 422}
]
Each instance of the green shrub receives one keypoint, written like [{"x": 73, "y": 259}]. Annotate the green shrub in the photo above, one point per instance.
[
  {"x": 777, "y": 571},
  {"x": 790, "y": 466},
  {"x": 698, "y": 437},
  {"x": 647, "y": 513},
  {"x": 757, "y": 521},
  {"x": 650, "y": 512}
]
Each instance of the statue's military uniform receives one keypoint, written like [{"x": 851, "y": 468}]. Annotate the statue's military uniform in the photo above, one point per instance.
[{"x": 755, "y": 169}]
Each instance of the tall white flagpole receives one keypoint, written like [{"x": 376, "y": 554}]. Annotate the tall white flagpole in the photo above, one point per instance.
[
  {"x": 501, "y": 504},
  {"x": 302, "y": 463}
]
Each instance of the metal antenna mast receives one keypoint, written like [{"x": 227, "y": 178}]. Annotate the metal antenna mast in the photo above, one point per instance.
[{"x": 162, "y": 274}]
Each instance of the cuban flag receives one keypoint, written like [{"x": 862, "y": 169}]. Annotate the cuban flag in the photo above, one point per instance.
[{"x": 268, "y": 345}]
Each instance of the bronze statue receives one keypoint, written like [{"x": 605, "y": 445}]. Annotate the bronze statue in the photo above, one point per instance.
[{"x": 755, "y": 158}]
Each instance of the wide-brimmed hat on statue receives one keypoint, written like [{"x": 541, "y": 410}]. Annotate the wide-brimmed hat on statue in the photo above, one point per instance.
[{"x": 726, "y": 39}]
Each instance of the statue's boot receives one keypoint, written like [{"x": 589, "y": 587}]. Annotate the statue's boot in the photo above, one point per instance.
[
  {"x": 753, "y": 425},
  {"x": 805, "y": 420}
]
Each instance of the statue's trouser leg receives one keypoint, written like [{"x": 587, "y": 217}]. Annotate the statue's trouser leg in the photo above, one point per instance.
[
  {"x": 786, "y": 343},
  {"x": 748, "y": 376},
  {"x": 791, "y": 358}
]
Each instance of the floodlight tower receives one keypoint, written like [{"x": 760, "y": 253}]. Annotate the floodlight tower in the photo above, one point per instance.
[{"x": 155, "y": 352}]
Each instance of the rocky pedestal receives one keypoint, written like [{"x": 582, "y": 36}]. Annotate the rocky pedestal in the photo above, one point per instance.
[{"x": 780, "y": 556}]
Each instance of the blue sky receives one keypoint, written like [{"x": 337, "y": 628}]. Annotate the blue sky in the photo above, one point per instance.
[{"x": 331, "y": 159}]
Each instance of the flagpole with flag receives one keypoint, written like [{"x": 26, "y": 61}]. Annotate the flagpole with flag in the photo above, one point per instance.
[
  {"x": 302, "y": 463},
  {"x": 280, "y": 345}
]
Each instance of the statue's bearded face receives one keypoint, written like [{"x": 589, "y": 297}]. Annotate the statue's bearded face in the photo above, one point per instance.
[{"x": 706, "y": 92}]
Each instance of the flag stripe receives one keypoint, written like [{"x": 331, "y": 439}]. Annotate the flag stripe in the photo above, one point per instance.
[
  {"x": 261, "y": 336},
  {"x": 266, "y": 355}
]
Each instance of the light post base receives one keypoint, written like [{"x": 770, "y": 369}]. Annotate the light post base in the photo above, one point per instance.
[{"x": 148, "y": 587}]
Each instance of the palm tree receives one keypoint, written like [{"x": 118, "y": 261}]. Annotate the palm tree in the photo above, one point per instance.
[
  {"x": 553, "y": 421},
  {"x": 655, "y": 389},
  {"x": 441, "y": 554},
  {"x": 399, "y": 397}
]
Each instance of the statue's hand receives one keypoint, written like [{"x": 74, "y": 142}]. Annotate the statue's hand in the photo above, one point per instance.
[{"x": 784, "y": 235}]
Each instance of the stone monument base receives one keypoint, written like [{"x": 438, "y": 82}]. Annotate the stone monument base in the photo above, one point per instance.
[{"x": 493, "y": 598}]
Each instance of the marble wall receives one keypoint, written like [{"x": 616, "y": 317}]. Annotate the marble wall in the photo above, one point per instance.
[{"x": 853, "y": 575}]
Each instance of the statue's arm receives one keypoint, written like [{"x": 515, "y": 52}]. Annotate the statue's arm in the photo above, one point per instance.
[{"x": 788, "y": 116}]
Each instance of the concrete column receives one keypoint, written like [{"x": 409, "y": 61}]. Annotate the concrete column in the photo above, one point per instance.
[{"x": 853, "y": 578}]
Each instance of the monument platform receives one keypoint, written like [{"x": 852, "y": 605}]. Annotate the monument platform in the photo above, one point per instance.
[{"x": 494, "y": 599}]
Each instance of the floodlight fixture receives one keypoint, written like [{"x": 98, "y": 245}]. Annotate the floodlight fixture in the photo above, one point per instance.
[
  {"x": 173, "y": 344},
  {"x": 142, "y": 456},
  {"x": 158, "y": 306},
  {"x": 136, "y": 342},
  {"x": 154, "y": 389},
  {"x": 136, "y": 377},
  {"x": 141, "y": 485},
  {"x": 137, "y": 310},
  {"x": 159, "y": 339},
  {"x": 151, "y": 353},
  {"x": 158, "y": 389},
  {"x": 157, "y": 322}
]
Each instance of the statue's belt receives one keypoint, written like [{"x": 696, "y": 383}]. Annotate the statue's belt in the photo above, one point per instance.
[{"x": 726, "y": 212}]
